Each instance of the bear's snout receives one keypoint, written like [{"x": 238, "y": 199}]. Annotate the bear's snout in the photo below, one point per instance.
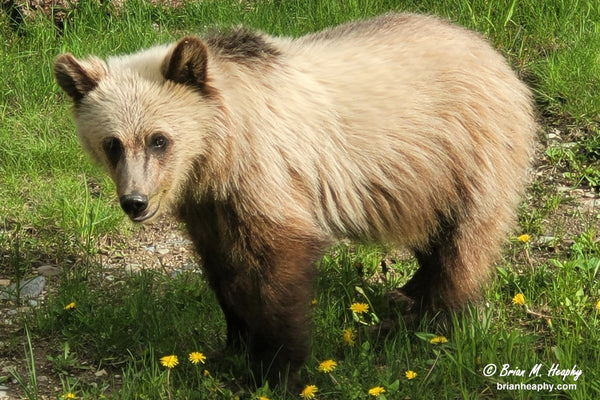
[{"x": 134, "y": 204}]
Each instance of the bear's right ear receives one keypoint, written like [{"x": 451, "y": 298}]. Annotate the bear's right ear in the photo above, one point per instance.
[
  {"x": 187, "y": 63},
  {"x": 78, "y": 78}
]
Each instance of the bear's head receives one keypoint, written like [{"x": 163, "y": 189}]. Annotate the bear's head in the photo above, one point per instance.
[{"x": 146, "y": 117}]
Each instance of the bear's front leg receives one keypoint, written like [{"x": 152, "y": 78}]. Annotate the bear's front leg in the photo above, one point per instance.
[{"x": 265, "y": 295}]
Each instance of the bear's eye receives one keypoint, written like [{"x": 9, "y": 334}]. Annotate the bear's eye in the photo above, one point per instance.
[
  {"x": 113, "y": 149},
  {"x": 158, "y": 142}
]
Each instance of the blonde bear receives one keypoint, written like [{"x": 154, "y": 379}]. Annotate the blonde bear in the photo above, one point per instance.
[{"x": 401, "y": 129}]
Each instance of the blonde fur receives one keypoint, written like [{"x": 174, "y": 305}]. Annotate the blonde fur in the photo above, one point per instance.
[{"x": 402, "y": 129}]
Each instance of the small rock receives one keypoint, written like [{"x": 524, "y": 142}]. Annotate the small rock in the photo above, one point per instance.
[
  {"x": 162, "y": 251},
  {"x": 30, "y": 288},
  {"x": 42, "y": 378},
  {"x": 48, "y": 270},
  {"x": 33, "y": 287},
  {"x": 100, "y": 373},
  {"x": 4, "y": 282},
  {"x": 553, "y": 133}
]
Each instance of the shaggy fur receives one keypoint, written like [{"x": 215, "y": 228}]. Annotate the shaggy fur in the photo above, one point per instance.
[{"x": 401, "y": 129}]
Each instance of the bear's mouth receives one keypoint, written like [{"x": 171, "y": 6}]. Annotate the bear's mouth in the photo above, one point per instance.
[{"x": 146, "y": 215}]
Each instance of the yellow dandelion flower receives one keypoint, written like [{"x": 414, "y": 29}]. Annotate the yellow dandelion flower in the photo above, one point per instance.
[
  {"x": 376, "y": 391},
  {"x": 359, "y": 308},
  {"x": 598, "y": 306},
  {"x": 327, "y": 366},
  {"x": 69, "y": 395},
  {"x": 438, "y": 340},
  {"x": 69, "y": 306},
  {"x": 524, "y": 238},
  {"x": 309, "y": 392},
  {"x": 169, "y": 361},
  {"x": 348, "y": 337},
  {"x": 313, "y": 302},
  {"x": 519, "y": 299},
  {"x": 410, "y": 374},
  {"x": 205, "y": 372},
  {"x": 196, "y": 357},
  {"x": 262, "y": 398}
]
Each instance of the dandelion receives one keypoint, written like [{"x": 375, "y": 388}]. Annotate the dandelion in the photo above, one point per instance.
[
  {"x": 309, "y": 392},
  {"x": 69, "y": 395},
  {"x": 262, "y": 398},
  {"x": 348, "y": 337},
  {"x": 598, "y": 306},
  {"x": 327, "y": 366},
  {"x": 376, "y": 391},
  {"x": 410, "y": 374},
  {"x": 524, "y": 238},
  {"x": 169, "y": 361},
  {"x": 313, "y": 302},
  {"x": 205, "y": 372},
  {"x": 68, "y": 307},
  {"x": 518, "y": 299},
  {"x": 196, "y": 357},
  {"x": 438, "y": 340},
  {"x": 359, "y": 308}
]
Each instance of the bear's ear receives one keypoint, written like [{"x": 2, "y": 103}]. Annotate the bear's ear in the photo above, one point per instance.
[
  {"x": 187, "y": 62},
  {"x": 78, "y": 78}
]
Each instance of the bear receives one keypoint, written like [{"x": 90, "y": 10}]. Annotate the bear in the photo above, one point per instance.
[{"x": 402, "y": 129}]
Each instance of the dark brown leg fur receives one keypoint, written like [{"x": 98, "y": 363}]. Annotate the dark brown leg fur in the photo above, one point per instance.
[
  {"x": 266, "y": 308},
  {"x": 451, "y": 269},
  {"x": 263, "y": 277}
]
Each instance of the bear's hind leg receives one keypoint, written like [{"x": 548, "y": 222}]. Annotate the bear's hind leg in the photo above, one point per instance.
[{"x": 453, "y": 267}]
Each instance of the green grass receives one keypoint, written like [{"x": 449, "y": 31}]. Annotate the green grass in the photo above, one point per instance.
[{"x": 56, "y": 208}]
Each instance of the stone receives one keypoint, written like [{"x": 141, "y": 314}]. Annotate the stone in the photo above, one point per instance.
[
  {"x": 48, "y": 270},
  {"x": 28, "y": 289},
  {"x": 33, "y": 287}
]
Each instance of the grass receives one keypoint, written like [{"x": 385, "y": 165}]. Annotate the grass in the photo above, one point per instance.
[{"x": 58, "y": 209}]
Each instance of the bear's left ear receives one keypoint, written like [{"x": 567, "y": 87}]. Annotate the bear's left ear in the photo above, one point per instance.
[{"x": 186, "y": 64}]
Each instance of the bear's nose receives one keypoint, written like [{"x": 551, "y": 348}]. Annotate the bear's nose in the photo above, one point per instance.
[{"x": 133, "y": 204}]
